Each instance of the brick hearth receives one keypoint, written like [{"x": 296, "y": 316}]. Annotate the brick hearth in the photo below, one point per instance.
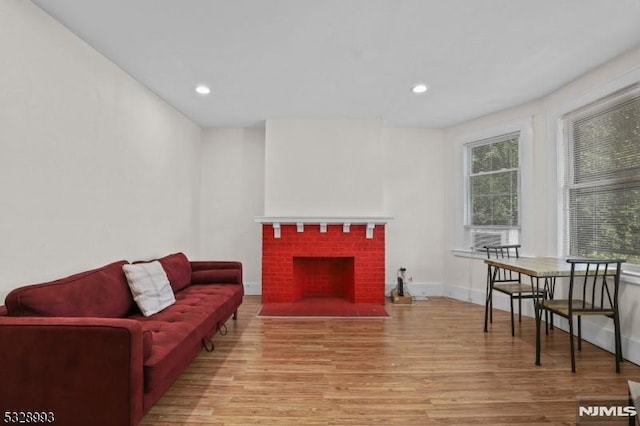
[{"x": 310, "y": 260}]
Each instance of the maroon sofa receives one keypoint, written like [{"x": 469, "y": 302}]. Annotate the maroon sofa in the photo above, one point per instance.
[{"x": 78, "y": 348}]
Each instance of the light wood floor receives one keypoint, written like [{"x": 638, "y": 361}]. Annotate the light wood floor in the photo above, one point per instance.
[{"x": 428, "y": 364}]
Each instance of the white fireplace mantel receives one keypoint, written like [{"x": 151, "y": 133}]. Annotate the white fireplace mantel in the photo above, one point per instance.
[{"x": 323, "y": 221}]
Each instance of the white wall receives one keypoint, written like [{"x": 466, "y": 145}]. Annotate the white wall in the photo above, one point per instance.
[
  {"x": 410, "y": 174},
  {"x": 414, "y": 197},
  {"x": 93, "y": 167},
  {"x": 232, "y": 197},
  {"x": 323, "y": 168}
]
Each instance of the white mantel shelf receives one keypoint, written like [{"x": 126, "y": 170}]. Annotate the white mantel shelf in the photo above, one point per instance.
[
  {"x": 288, "y": 220},
  {"x": 323, "y": 221}
]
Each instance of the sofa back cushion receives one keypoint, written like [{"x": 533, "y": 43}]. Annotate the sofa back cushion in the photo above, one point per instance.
[
  {"x": 214, "y": 276},
  {"x": 101, "y": 292},
  {"x": 178, "y": 270}
]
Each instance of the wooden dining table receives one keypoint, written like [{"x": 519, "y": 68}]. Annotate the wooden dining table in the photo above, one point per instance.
[{"x": 543, "y": 272}]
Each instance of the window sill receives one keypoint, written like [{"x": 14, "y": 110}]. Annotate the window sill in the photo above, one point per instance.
[
  {"x": 468, "y": 254},
  {"x": 630, "y": 277}
]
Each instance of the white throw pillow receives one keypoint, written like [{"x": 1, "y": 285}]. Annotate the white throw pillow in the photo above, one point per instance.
[{"x": 150, "y": 286}]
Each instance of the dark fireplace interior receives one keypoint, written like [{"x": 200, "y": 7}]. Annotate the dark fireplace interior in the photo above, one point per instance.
[{"x": 324, "y": 276}]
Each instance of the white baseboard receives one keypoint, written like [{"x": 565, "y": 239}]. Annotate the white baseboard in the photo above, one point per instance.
[
  {"x": 500, "y": 300},
  {"x": 464, "y": 294},
  {"x": 419, "y": 291},
  {"x": 253, "y": 289}
]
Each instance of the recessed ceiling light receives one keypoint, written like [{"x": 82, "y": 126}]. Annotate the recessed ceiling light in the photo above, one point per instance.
[
  {"x": 203, "y": 90},
  {"x": 419, "y": 88}
]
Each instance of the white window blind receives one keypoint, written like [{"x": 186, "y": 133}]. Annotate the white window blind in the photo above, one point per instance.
[
  {"x": 493, "y": 190},
  {"x": 602, "y": 188}
]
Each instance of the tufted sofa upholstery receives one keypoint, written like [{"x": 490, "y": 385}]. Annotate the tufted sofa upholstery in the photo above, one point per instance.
[{"x": 80, "y": 349}]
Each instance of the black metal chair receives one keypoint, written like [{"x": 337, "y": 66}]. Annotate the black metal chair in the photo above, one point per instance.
[
  {"x": 505, "y": 281},
  {"x": 593, "y": 290}
]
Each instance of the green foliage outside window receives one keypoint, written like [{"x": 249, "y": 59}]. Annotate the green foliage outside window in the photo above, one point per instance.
[{"x": 493, "y": 183}]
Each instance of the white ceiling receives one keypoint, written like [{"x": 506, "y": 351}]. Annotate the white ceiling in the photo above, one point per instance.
[{"x": 267, "y": 59}]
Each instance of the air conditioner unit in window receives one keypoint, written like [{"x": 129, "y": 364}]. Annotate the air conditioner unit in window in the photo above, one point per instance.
[{"x": 481, "y": 238}]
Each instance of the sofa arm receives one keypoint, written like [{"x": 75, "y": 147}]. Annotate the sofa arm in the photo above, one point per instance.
[
  {"x": 209, "y": 272},
  {"x": 82, "y": 371}
]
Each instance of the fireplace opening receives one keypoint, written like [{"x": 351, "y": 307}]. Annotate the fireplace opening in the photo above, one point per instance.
[{"x": 324, "y": 277}]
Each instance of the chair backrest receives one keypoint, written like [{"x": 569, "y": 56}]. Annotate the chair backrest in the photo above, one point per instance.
[
  {"x": 593, "y": 285},
  {"x": 504, "y": 252}
]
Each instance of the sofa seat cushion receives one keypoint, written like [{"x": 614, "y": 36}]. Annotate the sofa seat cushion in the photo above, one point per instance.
[{"x": 178, "y": 330}]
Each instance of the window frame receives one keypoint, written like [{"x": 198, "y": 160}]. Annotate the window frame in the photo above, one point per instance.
[
  {"x": 468, "y": 205},
  {"x": 485, "y": 129},
  {"x": 566, "y": 165}
]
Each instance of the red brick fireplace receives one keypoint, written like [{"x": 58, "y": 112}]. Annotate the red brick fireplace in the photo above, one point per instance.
[{"x": 316, "y": 258}]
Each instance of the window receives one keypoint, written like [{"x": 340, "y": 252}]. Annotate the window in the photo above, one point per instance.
[
  {"x": 493, "y": 190},
  {"x": 602, "y": 185}
]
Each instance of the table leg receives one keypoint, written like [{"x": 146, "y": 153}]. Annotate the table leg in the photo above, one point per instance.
[
  {"x": 546, "y": 314},
  {"x": 552, "y": 289},
  {"x": 538, "y": 314}
]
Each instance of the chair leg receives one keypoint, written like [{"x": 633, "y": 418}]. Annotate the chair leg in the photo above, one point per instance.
[
  {"x": 579, "y": 333},
  {"x": 546, "y": 322},
  {"x": 513, "y": 327},
  {"x": 538, "y": 314},
  {"x": 487, "y": 302},
  {"x": 618, "y": 343},
  {"x": 620, "y": 356},
  {"x": 491, "y": 308},
  {"x": 519, "y": 309},
  {"x": 573, "y": 356}
]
